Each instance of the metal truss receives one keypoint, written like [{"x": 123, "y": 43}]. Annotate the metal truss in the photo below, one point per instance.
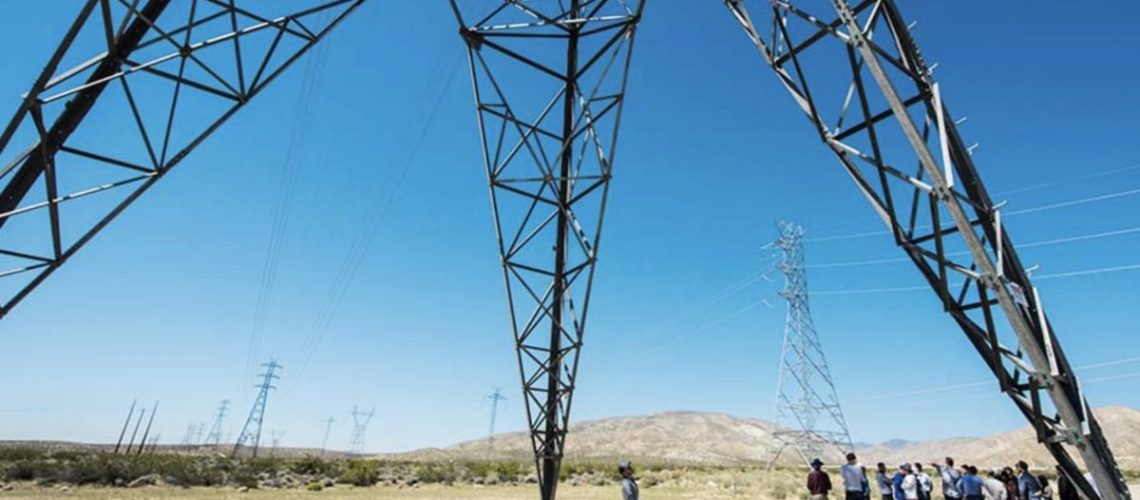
[
  {"x": 807, "y": 407},
  {"x": 88, "y": 140},
  {"x": 858, "y": 75},
  {"x": 549, "y": 80},
  {"x": 251, "y": 431}
]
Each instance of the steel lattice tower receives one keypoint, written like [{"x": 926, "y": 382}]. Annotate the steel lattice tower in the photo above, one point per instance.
[
  {"x": 549, "y": 81},
  {"x": 162, "y": 75},
  {"x": 495, "y": 397},
  {"x": 360, "y": 421},
  {"x": 215, "y": 435},
  {"x": 856, "y": 72},
  {"x": 807, "y": 407},
  {"x": 251, "y": 431}
]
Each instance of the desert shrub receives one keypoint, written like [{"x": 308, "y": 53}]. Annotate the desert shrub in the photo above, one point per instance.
[
  {"x": 315, "y": 466},
  {"x": 17, "y": 453},
  {"x": 436, "y": 473},
  {"x": 360, "y": 473},
  {"x": 314, "y": 486}
]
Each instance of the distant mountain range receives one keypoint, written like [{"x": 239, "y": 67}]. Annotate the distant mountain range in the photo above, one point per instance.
[{"x": 715, "y": 438}]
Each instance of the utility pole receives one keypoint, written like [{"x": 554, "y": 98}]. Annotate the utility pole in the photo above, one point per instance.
[
  {"x": 126, "y": 423},
  {"x": 134, "y": 433},
  {"x": 325, "y": 441},
  {"x": 215, "y": 435},
  {"x": 807, "y": 407},
  {"x": 495, "y": 397},
  {"x": 251, "y": 431},
  {"x": 360, "y": 422},
  {"x": 142, "y": 442}
]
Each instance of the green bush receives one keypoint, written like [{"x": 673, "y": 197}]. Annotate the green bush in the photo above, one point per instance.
[{"x": 360, "y": 473}]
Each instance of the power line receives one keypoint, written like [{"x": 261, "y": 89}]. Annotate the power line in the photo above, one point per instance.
[
  {"x": 1014, "y": 213},
  {"x": 1057, "y": 241},
  {"x": 1069, "y": 181},
  {"x": 1067, "y": 274},
  {"x": 354, "y": 257},
  {"x": 968, "y": 385},
  {"x": 305, "y": 110}
]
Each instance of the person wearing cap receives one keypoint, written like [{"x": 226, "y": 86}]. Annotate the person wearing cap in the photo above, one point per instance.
[
  {"x": 818, "y": 482},
  {"x": 993, "y": 487},
  {"x": 629, "y": 489},
  {"x": 1066, "y": 490},
  {"x": 884, "y": 482},
  {"x": 854, "y": 479},
  {"x": 950, "y": 477}
]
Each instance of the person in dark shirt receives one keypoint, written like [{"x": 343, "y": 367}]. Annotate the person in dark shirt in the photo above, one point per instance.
[
  {"x": 818, "y": 482},
  {"x": 1066, "y": 490}
]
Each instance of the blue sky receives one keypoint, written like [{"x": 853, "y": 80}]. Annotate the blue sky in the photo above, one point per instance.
[{"x": 712, "y": 151}]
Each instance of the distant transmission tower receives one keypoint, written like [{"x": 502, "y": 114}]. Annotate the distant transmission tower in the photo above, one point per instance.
[
  {"x": 276, "y": 435},
  {"x": 325, "y": 441},
  {"x": 360, "y": 422},
  {"x": 807, "y": 408},
  {"x": 495, "y": 397},
  {"x": 215, "y": 435},
  {"x": 251, "y": 431}
]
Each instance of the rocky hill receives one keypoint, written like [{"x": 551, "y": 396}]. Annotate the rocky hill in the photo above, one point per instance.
[{"x": 713, "y": 438}]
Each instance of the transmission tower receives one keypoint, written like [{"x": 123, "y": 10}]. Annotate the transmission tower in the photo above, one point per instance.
[
  {"x": 548, "y": 148},
  {"x": 325, "y": 441},
  {"x": 857, "y": 74},
  {"x": 807, "y": 408},
  {"x": 360, "y": 421},
  {"x": 495, "y": 397},
  {"x": 215, "y": 435},
  {"x": 276, "y": 439},
  {"x": 251, "y": 431},
  {"x": 188, "y": 438}
]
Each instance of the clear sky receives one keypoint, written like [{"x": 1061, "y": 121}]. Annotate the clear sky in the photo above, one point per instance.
[{"x": 161, "y": 305}]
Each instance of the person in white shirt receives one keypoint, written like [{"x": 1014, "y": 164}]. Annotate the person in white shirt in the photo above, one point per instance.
[
  {"x": 910, "y": 485},
  {"x": 950, "y": 477},
  {"x": 854, "y": 479},
  {"x": 994, "y": 488}
]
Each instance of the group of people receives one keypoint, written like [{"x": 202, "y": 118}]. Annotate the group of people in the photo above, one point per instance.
[{"x": 911, "y": 482}]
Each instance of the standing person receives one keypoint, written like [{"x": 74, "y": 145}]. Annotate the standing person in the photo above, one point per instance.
[
  {"x": 925, "y": 484},
  {"x": 1010, "y": 481},
  {"x": 1046, "y": 490},
  {"x": 818, "y": 482},
  {"x": 950, "y": 477},
  {"x": 629, "y": 489},
  {"x": 897, "y": 482},
  {"x": 884, "y": 482},
  {"x": 1065, "y": 487},
  {"x": 1027, "y": 486},
  {"x": 910, "y": 485},
  {"x": 993, "y": 487},
  {"x": 854, "y": 479},
  {"x": 970, "y": 485}
]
